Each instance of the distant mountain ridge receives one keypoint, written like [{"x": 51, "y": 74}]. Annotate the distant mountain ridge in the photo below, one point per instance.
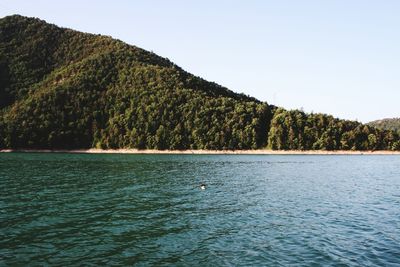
[
  {"x": 63, "y": 89},
  {"x": 392, "y": 124}
]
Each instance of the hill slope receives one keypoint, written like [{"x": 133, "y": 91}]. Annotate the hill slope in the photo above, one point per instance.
[
  {"x": 61, "y": 88},
  {"x": 387, "y": 124}
]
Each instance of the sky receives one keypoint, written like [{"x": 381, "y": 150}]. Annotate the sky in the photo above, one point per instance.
[{"x": 340, "y": 57}]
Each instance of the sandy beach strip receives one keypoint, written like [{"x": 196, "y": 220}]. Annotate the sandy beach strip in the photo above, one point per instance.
[{"x": 208, "y": 152}]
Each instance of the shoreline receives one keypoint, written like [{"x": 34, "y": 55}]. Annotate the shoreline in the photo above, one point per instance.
[{"x": 204, "y": 152}]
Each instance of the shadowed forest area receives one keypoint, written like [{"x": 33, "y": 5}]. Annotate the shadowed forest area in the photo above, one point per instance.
[{"x": 64, "y": 89}]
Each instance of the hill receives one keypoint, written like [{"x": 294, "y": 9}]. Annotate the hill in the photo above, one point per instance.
[
  {"x": 387, "y": 124},
  {"x": 64, "y": 89}
]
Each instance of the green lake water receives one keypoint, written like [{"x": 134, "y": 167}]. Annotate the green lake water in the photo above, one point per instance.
[{"x": 148, "y": 210}]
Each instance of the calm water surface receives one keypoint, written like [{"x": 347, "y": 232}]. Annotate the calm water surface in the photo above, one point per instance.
[{"x": 64, "y": 209}]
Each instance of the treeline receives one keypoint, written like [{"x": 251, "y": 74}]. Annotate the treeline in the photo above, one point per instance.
[
  {"x": 300, "y": 131},
  {"x": 92, "y": 91},
  {"x": 61, "y": 89},
  {"x": 387, "y": 124}
]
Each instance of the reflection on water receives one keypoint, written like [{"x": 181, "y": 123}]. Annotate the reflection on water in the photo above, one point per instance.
[{"x": 66, "y": 209}]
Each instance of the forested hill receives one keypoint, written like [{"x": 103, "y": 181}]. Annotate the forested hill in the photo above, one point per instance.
[
  {"x": 387, "y": 124},
  {"x": 65, "y": 89}
]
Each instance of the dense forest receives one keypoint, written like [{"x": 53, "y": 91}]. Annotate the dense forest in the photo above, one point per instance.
[
  {"x": 63, "y": 89},
  {"x": 387, "y": 124}
]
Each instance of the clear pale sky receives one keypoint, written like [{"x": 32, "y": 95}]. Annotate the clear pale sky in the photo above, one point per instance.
[{"x": 340, "y": 57}]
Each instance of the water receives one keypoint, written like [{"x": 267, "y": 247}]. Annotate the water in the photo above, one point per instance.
[{"x": 64, "y": 209}]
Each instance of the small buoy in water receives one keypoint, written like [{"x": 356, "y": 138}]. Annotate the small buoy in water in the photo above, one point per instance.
[{"x": 203, "y": 186}]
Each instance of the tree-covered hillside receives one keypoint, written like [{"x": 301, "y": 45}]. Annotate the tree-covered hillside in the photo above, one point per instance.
[
  {"x": 298, "y": 130},
  {"x": 61, "y": 88},
  {"x": 387, "y": 124}
]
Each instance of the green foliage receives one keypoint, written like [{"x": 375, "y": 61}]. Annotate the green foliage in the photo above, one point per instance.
[
  {"x": 299, "y": 131},
  {"x": 387, "y": 124},
  {"x": 65, "y": 89}
]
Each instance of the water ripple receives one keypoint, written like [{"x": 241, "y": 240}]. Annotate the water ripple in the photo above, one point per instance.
[{"x": 145, "y": 210}]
